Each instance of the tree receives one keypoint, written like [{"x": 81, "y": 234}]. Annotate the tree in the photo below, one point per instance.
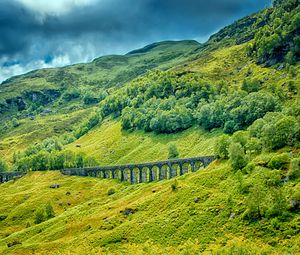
[
  {"x": 15, "y": 122},
  {"x": 237, "y": 156},
  {"x": 173, "y": 152},
  {"x": 256, "y": 201},
  {"x": 221, "y": 147},
  {"x": 251, "y": 85},
  {"x": 90, "y": 98},
  {"x": 71, "y": 94},
  {"x": 283, "y": 132},
  {"x": 49, "y": 211},
  {"x": 294, "y": 171},
  {"x": 39, "y": 216},
  {"x": 3, "y": 166}
]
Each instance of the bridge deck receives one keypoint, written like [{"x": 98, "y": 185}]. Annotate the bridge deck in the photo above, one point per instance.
[{"x": 126, "y": 172}]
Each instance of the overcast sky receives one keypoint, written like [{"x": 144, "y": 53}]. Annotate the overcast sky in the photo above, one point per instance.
[{"x": 45, "y": 33}]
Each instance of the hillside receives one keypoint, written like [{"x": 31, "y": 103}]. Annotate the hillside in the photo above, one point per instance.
[
  {"x": 235, "y": 96},
  {"x": 206, "y": 214}
]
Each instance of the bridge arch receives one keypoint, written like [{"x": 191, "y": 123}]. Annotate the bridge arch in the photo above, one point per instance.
[
  {"x": 147, "y": 172},
  {"x": 154, "y": 173}
]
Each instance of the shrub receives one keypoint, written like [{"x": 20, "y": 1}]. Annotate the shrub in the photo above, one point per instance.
[
  {"x": 39, "y": 216},
  {"x": 3, "y": 166},
  {"x": 49, "y": 211},
  {"x": 251, "y": 85},
  {"x": 294, "y": 171},
  {"x": 254, "y": 146},
  {"x": 90, "y": 98},
  {"x": 174, "y": 185},
  {"x": 278, "y": 203},
  {"x": 249, "y": 168},
  {"x": 237, "y": 156},
  {"x": 280, "y": 161},
  {"x": 221, "y": 147},
  {"x": 111, "y": 191},
  {"x": 281, "y": 133},
  {"x": 71, "y": 94},
  {"x": 15, "y": 122},
  {"x": 173, "y": 152},
  {"x": 256, "y": 202}
]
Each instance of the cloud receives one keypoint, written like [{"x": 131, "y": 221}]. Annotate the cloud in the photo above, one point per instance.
[
  {"x": 54, "y": 7},
  {"x": 81, "y": 30}
]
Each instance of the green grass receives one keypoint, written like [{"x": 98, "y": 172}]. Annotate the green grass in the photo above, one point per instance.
[
  {"x": 31, "y": 132},
  {"x": 89, "y": 221},
  {"x": 111, "y": 145}
]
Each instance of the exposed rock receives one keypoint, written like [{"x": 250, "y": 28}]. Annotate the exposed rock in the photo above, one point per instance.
[
  {"x": 196, "y": 199},
  {"x": 55, "y": 186},
  {"x": 128, "y": 211},
  {"x": 68, "y": 193},
  {"x": 294, "y": 205},
  {"x": 232, "y": 215},
  {"x": 280, "y": 67},
  {"x": 13, "y": 243}
]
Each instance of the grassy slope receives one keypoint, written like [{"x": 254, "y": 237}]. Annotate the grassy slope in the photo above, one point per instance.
[
  {"x": 88, "y": 221},
  {"x": 32, "y": 131},
  {"x": 111, "y": 145}
]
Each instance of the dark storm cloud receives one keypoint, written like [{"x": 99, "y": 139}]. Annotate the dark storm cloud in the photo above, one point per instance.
[{"x": 111, "y": 26}]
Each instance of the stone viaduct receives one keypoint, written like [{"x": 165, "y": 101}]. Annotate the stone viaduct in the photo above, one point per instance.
[{"x": 144, "y": 172}]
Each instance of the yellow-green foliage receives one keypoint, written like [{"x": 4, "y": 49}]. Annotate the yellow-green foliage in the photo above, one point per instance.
[
  {"x": 30, "y": 132},
  {"x": 110, "y": 145},
  {"x": 204, "y": 215}
]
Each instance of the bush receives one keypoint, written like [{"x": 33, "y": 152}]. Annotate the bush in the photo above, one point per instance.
[
  {"x": 90, "y": 98},
  {"x": 251, "y": 85},
  {"x": 173, "y": 152},
  {"x": 3, "y": 166},
  {"x": 91, "y": 122},
  {"x": 54, "y": 160},
  {"x": 49, "y": 211},
  {"x": 256, "y": 202},
  {"x": 254, "y": 146},
  {"x": 280, "y": 161},
  {"x": 39, "y": 216},
  {"x": 221, "y": 147},
  {"x": 281, "y": 133},
  {"x": 237, "y": 156},
  {"x": 111, "y": 191},
  {"x": 15, "y": 122},
  {"x": 71, "y": 94},
  {"x": 174, "y": 185},
  {"x": 294, "y": 171},
  {"x": 278, "y": 203}
]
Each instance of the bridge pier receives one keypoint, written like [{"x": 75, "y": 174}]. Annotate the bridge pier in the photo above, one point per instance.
[
  {"x": 193, "y": 166},
  {"x": 138, "y": 173}
]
